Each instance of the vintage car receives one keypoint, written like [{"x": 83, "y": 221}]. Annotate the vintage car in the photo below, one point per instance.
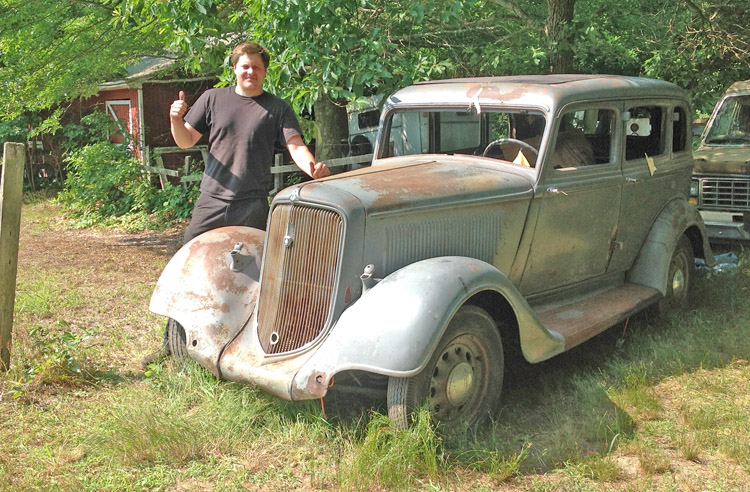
[
  {"x": 721, "y": 176},
  {"x": 505, "y": 215}
]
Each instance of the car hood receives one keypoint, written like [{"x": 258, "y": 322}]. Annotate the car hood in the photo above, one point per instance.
[
  {"x": 400, "y": 184},
  {"x": 722, "y": 160}
]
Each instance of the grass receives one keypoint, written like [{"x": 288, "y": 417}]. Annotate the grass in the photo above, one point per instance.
[{"x": 662, "y": 405}]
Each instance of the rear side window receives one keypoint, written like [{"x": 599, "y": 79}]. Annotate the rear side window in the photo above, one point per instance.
[
  {"x": 644, "y": 135},
  {"x": 680, "y": 129}
]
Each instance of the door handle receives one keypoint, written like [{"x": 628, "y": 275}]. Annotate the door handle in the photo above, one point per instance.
[
  {"x": 632, "y": 180},
  {"x": 556, "y": 191}
]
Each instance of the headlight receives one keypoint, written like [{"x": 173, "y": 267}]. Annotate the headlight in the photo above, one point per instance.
[{"x": 694, "y": 188}]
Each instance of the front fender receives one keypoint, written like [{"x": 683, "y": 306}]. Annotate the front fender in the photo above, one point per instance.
[
  {"x": 199, "y": 289},
  {"x": 395, "y": 326},
  {"x": 651, "y": 266}
]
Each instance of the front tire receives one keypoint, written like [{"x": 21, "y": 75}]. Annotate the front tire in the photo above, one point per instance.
[
  {"x": 176, "y": 340},
  {"x": 463, "y": 379}
]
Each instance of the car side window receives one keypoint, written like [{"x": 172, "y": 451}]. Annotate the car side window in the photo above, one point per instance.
[
  {"x": 644, "y": 135},
  {"x": 680, "y": 129},
  {"x": 584, "y": 138}
]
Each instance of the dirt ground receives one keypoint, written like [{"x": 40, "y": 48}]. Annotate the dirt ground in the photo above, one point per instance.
[{"x": 108, "y": 274}]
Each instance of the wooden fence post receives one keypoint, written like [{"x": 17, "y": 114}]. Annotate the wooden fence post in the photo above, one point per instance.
[{"x": 11, "y": 188}]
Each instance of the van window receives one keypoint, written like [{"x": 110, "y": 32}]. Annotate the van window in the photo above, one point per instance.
[
  {"x": 368, "y": 119},
  {"x": 731, "y": 126}
]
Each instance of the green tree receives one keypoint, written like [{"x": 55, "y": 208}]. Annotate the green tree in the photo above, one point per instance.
[
  {"x": 334, "y": 53},
  {"x": 330, "y": 54},
  {"x": 53, "y": 51},
  {"x": 707, "y": 48}
]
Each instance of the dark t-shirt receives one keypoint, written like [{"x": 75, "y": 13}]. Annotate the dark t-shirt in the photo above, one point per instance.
[{"x": 241, "y": 132}]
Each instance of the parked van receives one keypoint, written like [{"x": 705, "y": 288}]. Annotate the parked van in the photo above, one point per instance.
[{"x": 721, "y": 176}]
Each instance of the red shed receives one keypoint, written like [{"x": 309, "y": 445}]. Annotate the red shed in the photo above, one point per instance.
[{"x": 140, "y": 104}]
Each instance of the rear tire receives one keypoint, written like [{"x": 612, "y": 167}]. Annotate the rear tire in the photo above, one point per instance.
[
  {"x": 463, "y": 379},
  {"x": 679, "y": 279}
]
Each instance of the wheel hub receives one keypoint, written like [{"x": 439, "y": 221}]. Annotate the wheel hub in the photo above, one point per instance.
[
  {"x": 459, "y": 385},
  {"x": 678, "y": 281}
]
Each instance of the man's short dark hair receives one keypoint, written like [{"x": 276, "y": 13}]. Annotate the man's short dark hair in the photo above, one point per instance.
[{"x": 250, "y": 48}]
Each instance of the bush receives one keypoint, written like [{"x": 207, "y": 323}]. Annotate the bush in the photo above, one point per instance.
[
  {"x": 106, "y": 185},
  {"x": 104, "y": 179}
]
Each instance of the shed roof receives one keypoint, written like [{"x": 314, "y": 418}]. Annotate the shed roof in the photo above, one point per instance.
[{"x": 147, "y": 68}]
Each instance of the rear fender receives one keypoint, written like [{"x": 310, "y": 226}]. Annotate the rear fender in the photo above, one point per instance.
[
  {"x": 651, "y": 267},
  {"x": 200, "y": 289},
  {"x": 395, "y": 326}
]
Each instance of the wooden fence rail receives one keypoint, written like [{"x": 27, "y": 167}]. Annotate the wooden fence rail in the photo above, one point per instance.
[{"x": 278, "y": 170}]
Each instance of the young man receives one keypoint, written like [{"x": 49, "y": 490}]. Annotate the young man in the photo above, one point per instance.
[{"x": 243, "y": 123}]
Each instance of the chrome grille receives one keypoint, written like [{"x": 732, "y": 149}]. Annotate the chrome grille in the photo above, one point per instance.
[
  {"x": 299, "y": 273},
  {"x": 730, "y": 195}
]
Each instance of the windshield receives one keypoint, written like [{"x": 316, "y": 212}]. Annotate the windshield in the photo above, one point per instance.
[
  {"x": 507, "y": 135},
  {"x": 731, "y": 126}
]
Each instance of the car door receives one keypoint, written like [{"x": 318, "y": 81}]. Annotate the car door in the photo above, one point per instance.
[
  {"x": 578, "y": 199},
  {"x": 655, "y": 168}
]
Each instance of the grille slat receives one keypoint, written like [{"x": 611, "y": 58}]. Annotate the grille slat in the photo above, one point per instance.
[
  {"x": 297, "y": 286},
  {"x": 731, "y": 195},
  {"x": 474, "y": 236}
]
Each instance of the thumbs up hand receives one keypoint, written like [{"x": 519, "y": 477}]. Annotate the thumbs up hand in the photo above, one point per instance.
[{"x": 179, "y": 107}]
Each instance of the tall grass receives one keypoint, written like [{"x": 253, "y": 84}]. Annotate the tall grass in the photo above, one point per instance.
[
  {"x": 390, "y": 457},
  {"x": 629, "y": 410}
]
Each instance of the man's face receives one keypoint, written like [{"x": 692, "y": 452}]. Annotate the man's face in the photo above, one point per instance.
[{"x": 250, "y": 73}]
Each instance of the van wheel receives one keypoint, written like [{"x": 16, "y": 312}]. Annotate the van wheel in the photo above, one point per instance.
[
  {"x": 463, "y": 379},
  {"x": 176, "y": 340},
  {"x": 679, "y": 279}
]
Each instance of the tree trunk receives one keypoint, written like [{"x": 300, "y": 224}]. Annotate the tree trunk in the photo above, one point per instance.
[
  {"x": 333, "y": 124},
  {"x": 559, "y": 37}
]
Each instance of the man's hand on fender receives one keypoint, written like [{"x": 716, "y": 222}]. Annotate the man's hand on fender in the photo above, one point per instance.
[{"x": 319, "y": 170}]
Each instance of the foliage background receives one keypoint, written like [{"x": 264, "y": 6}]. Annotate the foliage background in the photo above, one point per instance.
[
  {"x": 330, "y": 55},
  {"x": 57, "y": 50}
]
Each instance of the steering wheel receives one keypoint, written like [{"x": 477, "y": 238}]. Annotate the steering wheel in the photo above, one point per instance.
[{"x": 502, "y": 141}]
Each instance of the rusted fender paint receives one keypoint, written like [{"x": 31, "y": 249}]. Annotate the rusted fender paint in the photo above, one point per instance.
[
  {"x": 199, "y": 290},
  {"x": 243, "y": 361}
]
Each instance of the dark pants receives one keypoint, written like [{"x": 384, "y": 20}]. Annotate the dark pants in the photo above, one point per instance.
[{"x": 211, "y": 213}]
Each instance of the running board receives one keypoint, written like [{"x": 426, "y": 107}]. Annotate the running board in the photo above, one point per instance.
[{"x": 584, "y": 318}]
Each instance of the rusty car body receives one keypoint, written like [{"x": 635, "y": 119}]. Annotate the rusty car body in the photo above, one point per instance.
[
  {"x": 721, "y": 176},
  {"x": 508, "y": 214}
]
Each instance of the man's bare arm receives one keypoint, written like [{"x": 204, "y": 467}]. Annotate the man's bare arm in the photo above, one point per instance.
[{"x": 304, "y": 158}]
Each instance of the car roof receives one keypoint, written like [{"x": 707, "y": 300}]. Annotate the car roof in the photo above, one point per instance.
[
  {"x": 742, "y": 86},
  {"x": 544, "y": 91}
]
